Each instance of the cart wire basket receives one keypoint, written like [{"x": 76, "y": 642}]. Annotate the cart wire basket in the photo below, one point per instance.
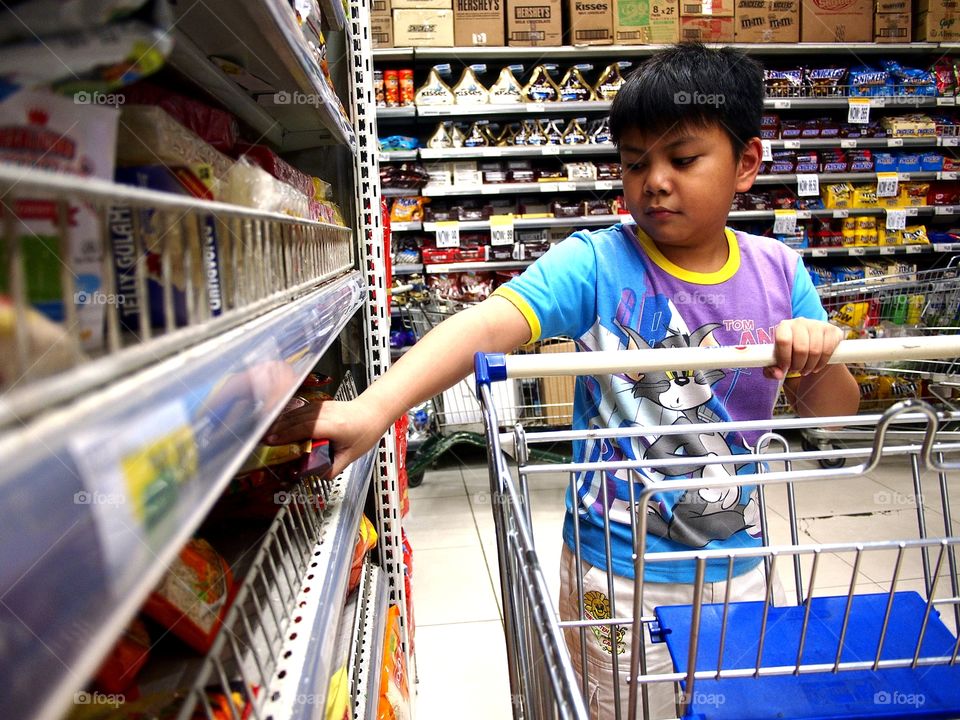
[{"x": 844, "y": 627}]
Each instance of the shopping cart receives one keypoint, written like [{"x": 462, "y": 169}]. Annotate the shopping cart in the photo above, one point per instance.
[
  {"x": 454, "y": 417},
  {"x": 910, "y": 303},
  {"x": 876, "y": 648}
]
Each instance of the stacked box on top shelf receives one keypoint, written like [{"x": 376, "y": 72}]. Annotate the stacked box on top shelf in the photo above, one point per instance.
[
  {"x": 646, "y": 22},
  {"x": 423, "y": 23},
  {"x": 708, "y": 21},
  {"x": 937, "y": 21},
  {"x": 843, "y": 21},
  {"x": 767, "y": 21},
  {"x": 479, "y": 23},
  {"x": 590, "y": 22},
  {"x": 381, "y": 24},
  {"x": 893, "y": 21},
  {"x": 534, "y": 23}
]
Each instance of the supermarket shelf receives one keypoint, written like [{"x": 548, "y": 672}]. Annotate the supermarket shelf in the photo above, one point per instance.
[
  {"x": 575, "y": 53},
  {"x": 84, "y": 541},
  {"x": 397, "y": 155},
  {"x": 850, "y": 143},
  {"x": 807, "y": 214},
  {"x": 306, "y": 671},
  {"x": 385, "y": 113},
  {"x": 413, "y": 226},
  {"x": 508, "y": 188},
  {"x": 469, "y": 111},
  {"x": 263, "y": 37},
  {"x": 790, "y": 179},
  {"x": 825, "y": 103},
  {"x": 368, "y": 658},
  {"x": 522, "y": 151},
  {"x": 834, "y": 252},
  {"x": 946, "y": 247},
  {"x": 579, "y": 221},
  {"x": 334, "y": 13},
  {"x": 399, "y": 192},
  {"x": 468, "y": 266},
  {"x": 412, "y": 269}
]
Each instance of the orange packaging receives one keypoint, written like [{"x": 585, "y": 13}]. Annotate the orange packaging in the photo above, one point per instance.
[
  {"x": 406, "y": 87},
  {"x": 391, "y": 87}
]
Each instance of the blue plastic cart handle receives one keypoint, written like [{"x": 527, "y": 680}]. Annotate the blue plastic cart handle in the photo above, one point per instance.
[{"x": 488, "y": 368}]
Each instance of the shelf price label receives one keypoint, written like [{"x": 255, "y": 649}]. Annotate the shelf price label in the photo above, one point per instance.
[
  {"x": 841, "y": 214},
  {"x": 894, "y": 142},
  {"x": 887, "y": 250},
  {"x": 819, "y": 252},
  {"x": 915, "y": 249},
  {"x": 791, "y": 145},
  {"x": 808, "y": 185},
  {"x": 943, "y": 210},
  {"x": 859, "y": 111},
  {"x": 501, "y": 230},
  {"x": 888, "y": 184},
  {"x": 448, "y": 234},
  {"x": 848, "y": 144},
  {"x": 781, "y": 104},
  {"x": 767, "y": 151},
  {"x": 604, "y": 185},
  {"x": 946, "y": 101},
  {"x": 896, "y": 219},
  {"x": 784, "y": 222},
  {"x": 549, "y": 149},
  {"x": 950, "y": 141},
  {"x": 855, "y": 251},
  {"x": 948, "y": 175}
]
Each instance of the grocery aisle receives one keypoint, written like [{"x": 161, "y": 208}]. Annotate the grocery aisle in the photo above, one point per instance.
[{"x": 459, "y": 638}]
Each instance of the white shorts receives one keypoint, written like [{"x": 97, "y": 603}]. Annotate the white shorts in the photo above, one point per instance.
[{"x": 600, "y": 698}]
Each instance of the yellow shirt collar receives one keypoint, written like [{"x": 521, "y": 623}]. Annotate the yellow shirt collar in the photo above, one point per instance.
[{"x": 716, "y": 277}]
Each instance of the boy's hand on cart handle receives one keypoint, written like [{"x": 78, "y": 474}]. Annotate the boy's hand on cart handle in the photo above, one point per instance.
[
  {"x": 803, "y": 346},
  {"x": 351, "y": 427}
]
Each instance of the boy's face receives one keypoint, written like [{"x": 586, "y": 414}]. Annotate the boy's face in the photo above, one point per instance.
[{"x": 679, "y": 185}]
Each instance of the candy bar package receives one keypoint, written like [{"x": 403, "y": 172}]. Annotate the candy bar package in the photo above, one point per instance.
[
  {"x": 43, "y": 130},
  {"x": 158, "y": 230}
]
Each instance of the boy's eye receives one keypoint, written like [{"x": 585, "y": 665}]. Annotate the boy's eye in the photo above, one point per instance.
[
  {"x": 684, "y": 161},
  {"x": 638, "y": 165}
]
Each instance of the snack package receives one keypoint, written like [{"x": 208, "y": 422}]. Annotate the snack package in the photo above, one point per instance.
[
  {"x": 338, "y": 696},
  {"x": 610, "y": 81},
  {"x": 366, "y": 541},
  {"x": 469, "y": 90},
  {"x": 574, "y": 133},
  {"x": 278, "y": 167},
  {"x": 408, "y": 587},
  {"x": 541, "y": 87},
  {"x": 252, "y": 187},
  {"x": 194, "y": 595},
  {"x": 573, "y": 88},
  {"x": 118, "y": 671},
  {"x": 216, "y": 127},
  {"x": 180, "y": 238},
  {"x": 45, "y": 131},
  {"x": 394, "y": 701},
  {"x": 435, "y": 91},
  {"x": 50, "y": 349},
  {"x": 507, "y": 90}
]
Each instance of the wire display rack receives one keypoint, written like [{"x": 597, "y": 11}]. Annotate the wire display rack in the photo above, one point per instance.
[{"x": 798, "y": 648}]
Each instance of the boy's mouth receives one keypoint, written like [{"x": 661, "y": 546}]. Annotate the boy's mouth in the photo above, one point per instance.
[{"x": 659, "y": 212}]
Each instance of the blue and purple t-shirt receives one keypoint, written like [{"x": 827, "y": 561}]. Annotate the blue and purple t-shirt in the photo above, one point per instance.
[{"x": 612, "y": 289}]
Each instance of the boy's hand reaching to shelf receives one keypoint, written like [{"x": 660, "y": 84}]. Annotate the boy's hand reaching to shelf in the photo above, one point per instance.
[{"x": 351, "y": 427}]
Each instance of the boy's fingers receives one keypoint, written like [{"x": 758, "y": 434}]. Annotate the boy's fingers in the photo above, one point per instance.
[
  {"x": 814, "y": 352},
  {"x": 783, "y": 348}
]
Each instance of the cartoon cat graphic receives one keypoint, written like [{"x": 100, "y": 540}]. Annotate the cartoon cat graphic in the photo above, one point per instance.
[{"x": 709, "y": 513}]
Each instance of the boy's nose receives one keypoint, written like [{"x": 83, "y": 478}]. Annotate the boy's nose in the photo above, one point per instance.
[{"x": 657, "y": 182}]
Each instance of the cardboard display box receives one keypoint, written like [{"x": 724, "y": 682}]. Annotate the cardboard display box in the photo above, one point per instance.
[
  {"x": 892, "y": 27},
  {"x": 381, "y": 8},
  {"x": 937, "y": 26},
  {"x": 892, "y": 6},
  {"x": 767, "y": 21},
  {"x": 534, "y": 23},
  {"x": 706, "y": 8},
  {"x": 381, "y": 31},
  {"x": 937, "y": 6},
  {"x": 706, "y": 29},
  {"x": 421, "y": 4},
  {"x": 646, "y": 22},
  {"x": 423, "y": 28},
  {"x": 841, "y": 21},
  {"x": 479, "y": 23},
  {"x": 590, "y": 22}
]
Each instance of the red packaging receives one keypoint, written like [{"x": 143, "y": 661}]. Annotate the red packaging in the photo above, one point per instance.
[
  {"x": 406, "y": 87},
  {"x": 119, "y": 670},
  {"x": 276, "y": 166},
  {"x": 408, "y": 585},
  {"x": 217, "y": 127},
  {"x": 401, "y": 427},
  {"x": 194, "y": 595},
  {"x": 391, "y": 87}
]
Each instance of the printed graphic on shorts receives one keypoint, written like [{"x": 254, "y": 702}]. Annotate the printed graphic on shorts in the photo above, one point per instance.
[{"x": 596, "y": 606}]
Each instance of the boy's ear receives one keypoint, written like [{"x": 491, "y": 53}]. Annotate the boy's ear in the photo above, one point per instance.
[{"x": 749, "y": 164}]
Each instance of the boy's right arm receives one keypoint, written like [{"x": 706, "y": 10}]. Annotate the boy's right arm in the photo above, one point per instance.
[{"x": 436, "y": 362}]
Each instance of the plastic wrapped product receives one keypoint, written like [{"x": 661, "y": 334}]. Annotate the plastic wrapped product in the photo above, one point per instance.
[
  {"x": 469, "y": 90},
  {"x": 394, "y": 703},
  {"x": 215, "y": 127},
  {"x": 366, "y": 541},
  {"x": 248, "y": 185},
  {"x": 45, "y": 131},
  {"x": 475, "y": 137},
  {"x": 610, "y": 81},
  {"x": 435, "y": 91},
  {"x": 575, "y": 134},
  {"x": 277, "y": 166},
  {"x": 119, "y": 670},
  {"x": 49, "y": 348},
  {"x": 541, "y": 87},
  {"x": 826, "y": 82},
  {"x": 573, "y": 88},
  {"x": 194, "y": 595},
  {"x": 440, "y": 140},
  {"x": 507, "y": 90},
  {"x": 783, "y": 83},
  {"x": 551, "y": 131},
  {"x": 599, "y": 132}
]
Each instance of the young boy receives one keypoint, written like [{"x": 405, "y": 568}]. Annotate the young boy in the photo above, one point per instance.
[{"x": 687, "y": 124}]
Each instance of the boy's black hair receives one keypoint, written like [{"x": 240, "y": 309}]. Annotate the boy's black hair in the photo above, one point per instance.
[{"x": 690, "y": 84}]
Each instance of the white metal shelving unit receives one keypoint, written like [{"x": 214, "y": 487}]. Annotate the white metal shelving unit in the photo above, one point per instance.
[{"x": 84, "y": 538}]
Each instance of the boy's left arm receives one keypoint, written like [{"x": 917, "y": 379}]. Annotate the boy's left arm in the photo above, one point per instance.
[{"x": 813, "y": 388}]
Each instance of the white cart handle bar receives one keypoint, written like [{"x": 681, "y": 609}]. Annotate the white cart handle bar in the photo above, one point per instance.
[{"x": 494, "y": 367}]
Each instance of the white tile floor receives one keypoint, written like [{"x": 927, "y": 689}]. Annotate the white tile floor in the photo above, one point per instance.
[{"x": 461, "y": 661}]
